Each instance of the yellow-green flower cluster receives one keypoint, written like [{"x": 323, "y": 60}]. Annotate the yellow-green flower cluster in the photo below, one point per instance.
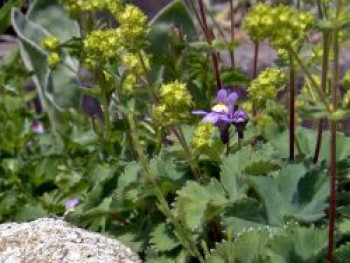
[
  {"x": 101, "y": 46},
  {"x": 263, "y": 121},
  {"x": 129, "y": 38},
  {"x": 202, "y": 138},
  {"x": 129, "y": 84},
  {"x": 50, "y": 44},
  {"x": 137, "y": 63},
  {"x": 258, "y": 23},
  {"x": 53, "y": 59},
  {"x": 290, "y": 26},
  {"x": 266, "y": 85},
  {"x": 76, "y": 7},
  {"x": 283, "y": 25},
  {"x": 133, "y": 27},
  {"x": 175, "y": 104}
]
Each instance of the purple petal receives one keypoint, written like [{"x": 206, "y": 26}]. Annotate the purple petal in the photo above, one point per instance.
[
  {"x": 212, "y": 117},
  {"x": 72, "y": 203},
  {"x": 222, "y": 96},
  {"x": 240, "y": 116},
  {"x": 231, "y": 101},
  {"x": 224, "y": 118},
  {"x": 199, "y": 112},
  {"x": 37, "y": 127}
]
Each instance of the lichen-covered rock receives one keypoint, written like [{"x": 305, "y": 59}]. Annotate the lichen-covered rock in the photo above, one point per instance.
[{"x": 49, "y": 240}]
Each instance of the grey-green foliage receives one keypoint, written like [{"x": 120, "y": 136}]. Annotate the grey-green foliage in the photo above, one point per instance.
[
  {"x": 289, "y": 243},
  {"x": 58, "y": 88},
  {"x": 306, "y": 139},
  {"x": 342, "y": 254},
  {"x": 295, "y": 193}
]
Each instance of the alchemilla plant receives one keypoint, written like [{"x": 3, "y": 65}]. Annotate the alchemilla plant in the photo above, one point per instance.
[{"x": 140, "y": 129}]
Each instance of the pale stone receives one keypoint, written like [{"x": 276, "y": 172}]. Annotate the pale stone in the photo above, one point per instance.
[{"x": 49, "y": 240}]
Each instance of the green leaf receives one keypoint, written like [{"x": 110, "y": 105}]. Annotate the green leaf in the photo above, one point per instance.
[
  {"x": 236, "y": 166},
  {"x": 307, "y": 142},
  {"x": 174, "y": 14},
  {"x": 163, "y": 238},
  {"x": 57, "y": 88},
  {"x": 293, "y": 193},
  {"x": 342, "y": 254},
  {"x": 344, "y": 226},
  {"x": 194, "y": 199},
  {"x": 31, "y": 212},
  {"x": 243, "y": 214},
  {"x": 297, "y": 244},
  {"x": 234, "y": 76},
  {"x": 52, "y": 16},
  {"x": 5, "y": 13},
  {"x": 223, "y": 253},
  {"x": 250, "y": 244}
]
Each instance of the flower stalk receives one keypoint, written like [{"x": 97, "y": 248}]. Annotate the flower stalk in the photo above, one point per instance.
[
  {"x": 255, "y": 69},
  {"x": 333, "y": 142},
  {"x": 325, "y": 59},
  {"x": 232, "y": 31},
  {"x": 202, "y": 19}
]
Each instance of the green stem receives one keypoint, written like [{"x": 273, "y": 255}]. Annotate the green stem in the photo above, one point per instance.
[
  {"x": 193, "y": 164},
  {"x": 148, "y": 77},
  {"x": 183, "y": 233},
  {"x": 311, "y": 78}
]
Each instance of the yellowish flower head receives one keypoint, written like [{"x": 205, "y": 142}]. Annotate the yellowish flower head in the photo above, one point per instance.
[
  {"x": 175, "y": 103},
  {"x": 50, "y": 43},
  {"x": 266, "y": 85},
  {"x": 53, "y": 59},
  {"x": 202, "y": 138}
]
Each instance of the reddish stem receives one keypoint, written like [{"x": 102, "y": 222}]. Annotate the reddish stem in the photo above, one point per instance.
[
  {"x": 232, "y": 17},
  {"x": 292, "y": 111},
  {"x": 324, "y": 87},
  {"x": 319, "y": 141},
  {"x": 210, "y": 37},
  {"x": 333, "y": 196},
  {"x": 333, "y": 151}
]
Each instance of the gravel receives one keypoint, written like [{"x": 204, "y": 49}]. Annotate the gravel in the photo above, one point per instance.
[{"x": 49, "y": 240}]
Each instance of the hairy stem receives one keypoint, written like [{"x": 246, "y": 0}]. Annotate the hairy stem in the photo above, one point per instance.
[
  {"x": 312, "y": 80},
  {"x": 193, "y": 164},
  {"x": 183, "y": 233}
]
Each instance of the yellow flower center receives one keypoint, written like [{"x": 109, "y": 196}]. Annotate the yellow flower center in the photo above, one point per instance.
[{"x": 222, "y": 108}]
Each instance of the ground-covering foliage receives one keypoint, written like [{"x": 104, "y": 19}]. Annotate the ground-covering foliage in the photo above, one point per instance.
[{"x": 136, "y": 129}]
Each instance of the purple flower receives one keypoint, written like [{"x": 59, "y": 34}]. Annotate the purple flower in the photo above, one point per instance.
[
  {"x": 72, "y": 203},
  {"x": 37, "y": 127},
  {"x": 225, "y": 113}
]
